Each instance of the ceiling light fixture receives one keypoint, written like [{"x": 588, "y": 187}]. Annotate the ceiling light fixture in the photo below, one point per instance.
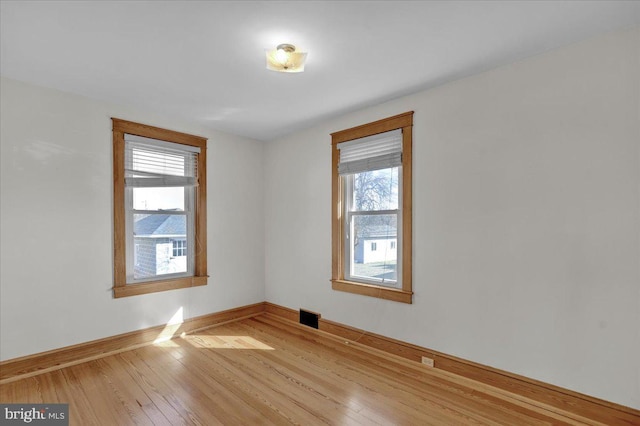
[{"x": 285, "y": 59}]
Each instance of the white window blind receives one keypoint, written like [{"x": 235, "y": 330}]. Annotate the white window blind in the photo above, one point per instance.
[
  {"x": 155, "y": 163},
  {"x": 381, "y": 151}
]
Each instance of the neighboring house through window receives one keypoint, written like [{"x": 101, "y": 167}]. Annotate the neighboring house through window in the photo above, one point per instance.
[
  {"x": 159, "y": 209},
  {"x": 371, "y": 193}
]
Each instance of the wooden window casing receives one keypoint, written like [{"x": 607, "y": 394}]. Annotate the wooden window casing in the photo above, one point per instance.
[
  {"x": 405, "y": 294},
  {"x": 120, "y": 287}
]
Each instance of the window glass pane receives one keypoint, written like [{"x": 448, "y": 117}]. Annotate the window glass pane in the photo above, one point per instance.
[
  {"x": 168, "y": 198},
  {"x": 373, "y": 256},
  {"x": 154, "y": 236},
  {"x": 375, "y": 190}
]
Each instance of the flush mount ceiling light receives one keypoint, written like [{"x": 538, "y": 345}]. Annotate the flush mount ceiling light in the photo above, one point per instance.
[{"x": 285, "y": 59}]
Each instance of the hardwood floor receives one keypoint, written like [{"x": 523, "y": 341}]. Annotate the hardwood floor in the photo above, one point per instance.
[{"x": 264, "y": 370}]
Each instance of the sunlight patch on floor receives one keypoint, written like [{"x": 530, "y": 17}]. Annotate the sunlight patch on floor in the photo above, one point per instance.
[{"x": 205, "y": 341}]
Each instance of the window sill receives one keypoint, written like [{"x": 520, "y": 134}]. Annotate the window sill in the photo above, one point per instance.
[
  {"x": 396, "y": 295},
  {"x": 157, "y": 286}
]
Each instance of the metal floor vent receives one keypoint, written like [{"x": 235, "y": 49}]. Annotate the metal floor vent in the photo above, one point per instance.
[{"x": 309, "y": 318}]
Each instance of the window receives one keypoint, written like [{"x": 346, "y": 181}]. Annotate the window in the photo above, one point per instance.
[
  {"x": 371, "y": 196},
  {"x": 179, "y": 248},
  {"x": 159, "y": 209}
]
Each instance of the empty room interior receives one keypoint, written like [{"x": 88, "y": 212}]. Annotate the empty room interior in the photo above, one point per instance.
[{"x": 289, "y": 212}]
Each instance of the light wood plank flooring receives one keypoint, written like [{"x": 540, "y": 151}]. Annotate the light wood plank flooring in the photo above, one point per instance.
[{"x": 264, "y": 370}]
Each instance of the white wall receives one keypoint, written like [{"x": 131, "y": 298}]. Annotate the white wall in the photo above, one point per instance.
[
  {"x": 56, "y": 224},
  {"x": 526, "y": 220}
]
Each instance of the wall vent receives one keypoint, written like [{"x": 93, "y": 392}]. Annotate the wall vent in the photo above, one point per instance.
[{"x": 309, "y": 318}]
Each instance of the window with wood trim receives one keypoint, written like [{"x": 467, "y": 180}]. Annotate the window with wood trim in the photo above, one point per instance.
[
  {"x": 371, "y": 209},
  {"x": 160, "y": 220}
]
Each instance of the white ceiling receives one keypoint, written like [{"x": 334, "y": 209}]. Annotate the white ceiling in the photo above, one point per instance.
[{"x": 204, "y": 61}]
